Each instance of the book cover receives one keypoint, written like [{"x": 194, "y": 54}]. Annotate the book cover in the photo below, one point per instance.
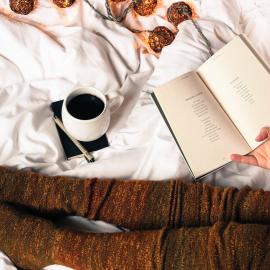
[{"x": 70, "y": 149}]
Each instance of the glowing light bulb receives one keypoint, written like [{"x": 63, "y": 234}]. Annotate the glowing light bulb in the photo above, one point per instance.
[
  {"x": 179, "y": 12},
  {"x": 160, "y": 37},
  {"x": 144, "y": 7},
  {"x": 23, "y": 7}
]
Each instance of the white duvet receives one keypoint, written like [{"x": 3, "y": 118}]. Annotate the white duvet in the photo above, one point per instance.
[{"x": 44, "y": 55}]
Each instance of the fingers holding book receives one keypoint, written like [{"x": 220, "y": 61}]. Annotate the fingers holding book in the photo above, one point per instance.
[
  {"x": 263, "y": 135},
  {"x": 261, "y": 155}
]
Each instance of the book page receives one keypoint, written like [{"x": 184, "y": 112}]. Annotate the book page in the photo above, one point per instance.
[
  {"x": 241, "y": 83},
  {"x": 202, "y": 129}
]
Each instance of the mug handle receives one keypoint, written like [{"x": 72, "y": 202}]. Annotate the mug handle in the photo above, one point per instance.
[{"x": 115, "y": 100}]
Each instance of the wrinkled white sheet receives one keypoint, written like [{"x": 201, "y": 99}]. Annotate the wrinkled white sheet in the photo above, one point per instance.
[{"x": 52, "y": 51}]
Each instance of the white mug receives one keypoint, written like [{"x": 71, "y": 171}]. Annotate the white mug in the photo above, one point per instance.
[{"x": 94, "y": 128}]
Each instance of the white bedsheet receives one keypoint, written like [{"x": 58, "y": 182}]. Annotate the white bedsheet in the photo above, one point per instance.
[{"x": 52, "y": 51}]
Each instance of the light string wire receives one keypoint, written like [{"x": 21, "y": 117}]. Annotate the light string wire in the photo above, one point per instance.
[
  {"x": 199, "y": 29},
  {"x": 122, "y": 17},
  {"x": 111, "y": 18}
]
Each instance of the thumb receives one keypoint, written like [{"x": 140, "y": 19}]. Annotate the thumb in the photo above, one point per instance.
[
  {"x": 263, "y": 135},
  {"x": 249, "y": 159}
]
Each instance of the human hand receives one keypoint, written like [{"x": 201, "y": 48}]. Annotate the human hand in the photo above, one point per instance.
[{"x": 261, "y": 155}]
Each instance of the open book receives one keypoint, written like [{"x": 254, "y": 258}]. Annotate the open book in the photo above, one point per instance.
[{"x": 219, "y": 109}]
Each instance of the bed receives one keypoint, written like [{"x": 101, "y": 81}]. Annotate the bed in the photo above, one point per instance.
[{"x": 46, "y": 54}]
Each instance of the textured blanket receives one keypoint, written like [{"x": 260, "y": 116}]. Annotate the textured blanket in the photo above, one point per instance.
[{"x": 175, "y": 225}]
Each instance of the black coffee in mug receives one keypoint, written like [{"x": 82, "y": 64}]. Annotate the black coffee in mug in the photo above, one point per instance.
[{"x": 85, "y": 106}]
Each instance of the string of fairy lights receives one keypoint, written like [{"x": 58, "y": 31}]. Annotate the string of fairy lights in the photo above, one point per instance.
[{"x": 158, "y": 38}]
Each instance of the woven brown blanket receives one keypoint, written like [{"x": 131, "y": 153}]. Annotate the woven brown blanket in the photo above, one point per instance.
[{"x": 176, "y": 225}]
